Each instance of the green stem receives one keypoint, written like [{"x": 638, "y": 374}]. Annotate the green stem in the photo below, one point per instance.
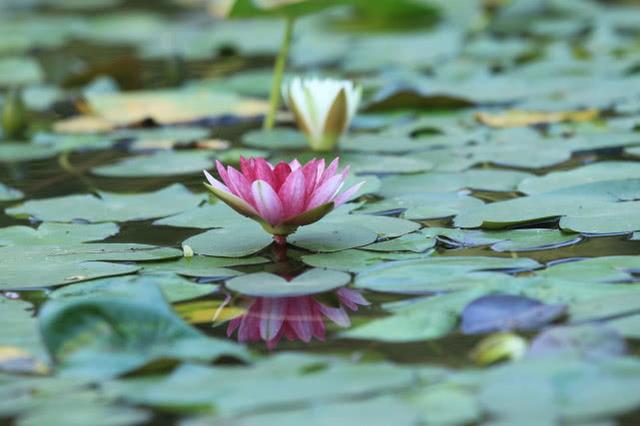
[{"x": 278, "y": 72}]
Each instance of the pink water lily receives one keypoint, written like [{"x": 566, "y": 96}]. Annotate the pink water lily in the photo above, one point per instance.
[
  {"x": 284, "y": 196},
  {"x": 296, "y": 317}
]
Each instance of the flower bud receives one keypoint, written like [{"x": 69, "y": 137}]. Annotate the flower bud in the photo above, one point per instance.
[
  {"x": 323, "y": 109},
  {"x": 14, "y": 115}
]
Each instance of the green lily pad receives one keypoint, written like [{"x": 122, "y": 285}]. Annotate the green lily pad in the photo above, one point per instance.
[
  {"x": 313, "y": 281},
  {"x": 9, "y": 194},
  {"x": 56, "y": 233},
  {"x": 425, "y": 205},
  {"x": 32, "y": 266},
  {"x": 424, "y": 319},
  {"x": 278, "y": 138},
  {"x": 596, "y": 172},
  {"x": 203, "y": 266},
  {"x": 207, "y": 216},
  {"x": 416, "y": 242},
  {"x": 436, "y": 273},
  {"x": 121, "y": 333},
  {"x": 21, "y": 328},
  {"x": 578, "y": 203},
  {"x": 329, "y": 236},
  {"x": 11, "y": 152},
  {"x": 356, "y": 260},
  {"x": 232, "y": 241},
  {"x": 110, "y": 206},
  {"x": 478, "y": 179},
  {"x": 158, "y": 164},
  {"x": 510, "y": 240},
  {"x": 173, "y": 287},
  {"x": 16, "y": 71}
]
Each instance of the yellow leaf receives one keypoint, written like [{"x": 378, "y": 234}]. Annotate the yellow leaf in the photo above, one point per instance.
[
  {"x": 172, "y": 106},
  {"x": 18, "y": 361},
  {"x": 209, "y": 311},
  {"x": 83, "y": 124},
  {"x": 519, "y": 118}
]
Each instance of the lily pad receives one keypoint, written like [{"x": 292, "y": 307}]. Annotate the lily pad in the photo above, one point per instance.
[
  {"x": 207, "y": 216},
  {"x": 596, "y": 172},
  {"x": 56, "y": 233},
  {"x": 436, "y": 273},
  {"x": 158, "y": 164},
  {"x": 121, "y": 333},
  {"x": 110, "y": 206},
  {"x": 11, "y": 152},
  {"x": 329, "y": 236},
  {"x": 35, "y": 266},
  {"x": 425, "y": 205},
  {"x": 504, "y": 312},
  {"x": 174, "y": 288},
  {"x": 278, "y": 138},
  {"x": 478, "y": 179},
  {"x": 9, "y": 194},
  {"x": 313, "y": 281},
  {"x": 232, "y": 241}
]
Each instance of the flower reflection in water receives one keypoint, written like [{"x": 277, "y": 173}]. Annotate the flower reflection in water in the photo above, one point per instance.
[{"x": 295, "y": 317}]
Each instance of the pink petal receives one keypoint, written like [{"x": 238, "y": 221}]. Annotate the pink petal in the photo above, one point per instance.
[
  {"x": 330, "y": 171},
  {"x": 351, "y": 298},
  {"x": 295, "y": 164},
  {"x": 223, "y": 173},
  {"x": 272, "y": 317},
  {"x": 281, "y": 172},
  {"x": 300, "y": 316},
  {"x": 248, "y": 208},
  {"x": 337, "y": 315},
  {"x": 310, "y": 171},
  {"x": 325, "y": 192},
  {"x": 292, "y": 194},
  {"x": 346, "y": 195},
  {"x": 216, "y": 183},
  {"x": 264, "y": 171},
  {"x": 247, "y": 168},
  {"x": 267, "y": 202},
  {"x": 241, "y": 185}
]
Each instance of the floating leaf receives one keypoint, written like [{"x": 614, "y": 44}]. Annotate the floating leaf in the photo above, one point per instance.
[
  {"x": 9, "y": 194},
  {"x": 110, "y": 206},
  {"x": 158, "y": 164},
  {"x": 313, "y": 281},
  {"x": 232, "y": 241},
  {"x": 518, "y": 118},
  {"x": 329, "y": 236},
  {"x": 437, "y": 273},
  {"x": 121, "y": 333},
  {"x": 56, "y": 233},
  {"x": 504, "y": 312},
  {"x": 592, "y": 341},
  {"x": 172, "y": 106}
]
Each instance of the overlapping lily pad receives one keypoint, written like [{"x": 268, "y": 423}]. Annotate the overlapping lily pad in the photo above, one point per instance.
[
  {"x": 313, "y": 281},
  {"x": 110, "y": 206},
  {"x": 124, "y": 332}
]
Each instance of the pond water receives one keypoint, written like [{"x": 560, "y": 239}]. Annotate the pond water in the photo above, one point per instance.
[{"x": 486, "y": 273}]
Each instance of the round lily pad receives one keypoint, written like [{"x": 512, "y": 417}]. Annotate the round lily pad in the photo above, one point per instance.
[
  {"x": 232, "y": 241},
  {"x": 313, "y": 281},
  {"x": 329, "y": 236},
  {"x": 158, "y": 164}
]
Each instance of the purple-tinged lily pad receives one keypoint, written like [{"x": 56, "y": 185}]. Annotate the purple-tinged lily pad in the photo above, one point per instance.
[
  {"x": 503, "y": 312},
  {"x": 593, "y": 341}
]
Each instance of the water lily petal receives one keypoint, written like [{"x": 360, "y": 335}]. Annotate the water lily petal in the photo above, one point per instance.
[
  {"x": 292, "y": 194},
  {"x": 348, "y": 194},
  {"x": 272, "y": 317},
  {"x": 325, "y": 192},
  {"x": 267, "y": 202}
]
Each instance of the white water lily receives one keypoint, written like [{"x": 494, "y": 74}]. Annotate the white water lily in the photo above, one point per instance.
[{"x": 323, "y": 108}]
